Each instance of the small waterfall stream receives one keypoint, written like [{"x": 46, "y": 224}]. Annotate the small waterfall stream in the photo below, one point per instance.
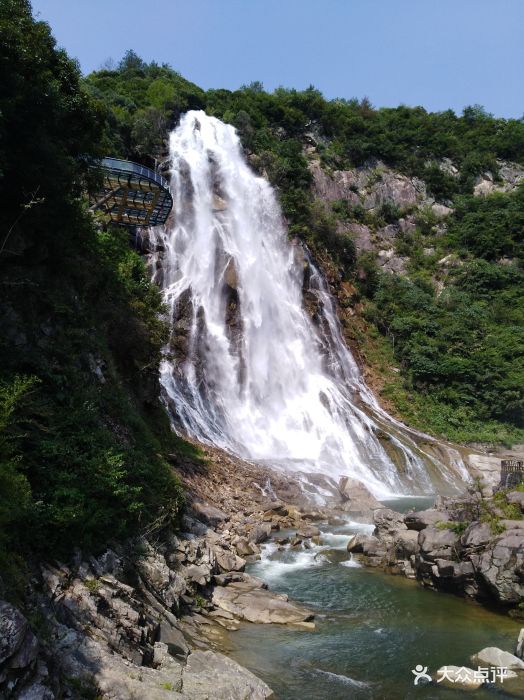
[{"x": 250, "y": 371}]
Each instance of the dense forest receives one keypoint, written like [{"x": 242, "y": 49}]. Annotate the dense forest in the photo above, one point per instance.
[{"x": 85, "y": 447}]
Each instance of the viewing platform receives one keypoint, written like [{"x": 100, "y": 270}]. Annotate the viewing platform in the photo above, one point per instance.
[{"x": 132, "y": 195}]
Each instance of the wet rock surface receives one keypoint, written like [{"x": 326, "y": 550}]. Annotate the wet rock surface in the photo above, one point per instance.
[
  {"x": 357, "y": 500},
  {"x": 464, "y": 546}
]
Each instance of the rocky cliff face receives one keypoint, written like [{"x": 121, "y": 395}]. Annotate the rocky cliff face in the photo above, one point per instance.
[{"x": 376, "y": 186}]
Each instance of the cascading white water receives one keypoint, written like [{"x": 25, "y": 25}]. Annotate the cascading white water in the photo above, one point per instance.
[{"x": 250, "y": 371}]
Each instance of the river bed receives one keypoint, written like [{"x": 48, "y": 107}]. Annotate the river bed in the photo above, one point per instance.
[{"x": 372, "y": 628}]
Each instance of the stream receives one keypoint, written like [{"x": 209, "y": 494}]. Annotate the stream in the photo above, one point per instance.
[{"x": 372, "y": 628}]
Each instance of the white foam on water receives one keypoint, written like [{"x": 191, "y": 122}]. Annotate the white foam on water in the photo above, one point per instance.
[
  {"x": 351, "y": 564},
  {"x": 288, "y": 561}
]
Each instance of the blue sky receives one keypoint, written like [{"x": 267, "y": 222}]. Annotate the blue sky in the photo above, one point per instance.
[{"x": 435, "y": 53}]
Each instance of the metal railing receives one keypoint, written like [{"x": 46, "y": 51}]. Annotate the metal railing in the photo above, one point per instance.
[{"x": 128, "y": 166}]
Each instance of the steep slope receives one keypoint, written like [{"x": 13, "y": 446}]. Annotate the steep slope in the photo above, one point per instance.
[
  {"x": 415, "y": 219},
  {"x": 433, "y": 280}
]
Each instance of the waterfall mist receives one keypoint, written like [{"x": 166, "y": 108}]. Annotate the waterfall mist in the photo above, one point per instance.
[{"x": 251, "y": 370}]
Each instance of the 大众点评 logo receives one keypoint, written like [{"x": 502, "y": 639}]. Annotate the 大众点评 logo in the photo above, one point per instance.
[{"x": 462, "y": 675}]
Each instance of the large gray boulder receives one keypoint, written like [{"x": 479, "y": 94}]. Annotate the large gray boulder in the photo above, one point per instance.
[
  {"x": 360, "y": 543},
  {"x": 208, "y": 514},
  {"x": 405, "y": 543},
  {"x": 520, "y": 644},
  {"x": 374, "y": 550},
  {"x": 229, "y": 561},
  {"x": 209, "y": 675},
  {"x": 421, "y": 519},
  {"x": 493, "y": 656},
  {"x": 437, "y": 544},
  {"x": 308, "y": 531},
  {"x": 260, "y": 533},
  {"x": 477, "y": 535},
  {"x": 357, "y": 500},
  {"x": 246, "y": 602},
  {"x": 18, "y": 652},
  {"x": 486, "y": 468},
  {"x": 14, "y": 629},
  {"x": 387, "y": 523}
]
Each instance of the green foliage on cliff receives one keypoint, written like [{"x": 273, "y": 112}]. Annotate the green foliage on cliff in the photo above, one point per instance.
[
  {"x": 347, "y": 133},
  {"x": 141, "y": 103},
  {"x": 463, "y": 348},
  {"x": 489, "y": 227},
  {"x": 460, "y": 345},
  {"x": 83, "y": 439}
]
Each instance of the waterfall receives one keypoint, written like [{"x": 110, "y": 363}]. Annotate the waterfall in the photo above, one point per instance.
[{"x": 248, "y": 369}]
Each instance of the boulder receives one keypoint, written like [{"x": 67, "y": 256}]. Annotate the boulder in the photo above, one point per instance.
[
  {"x": 356, "y": 497},
  {"x": 520, "y": 644},
  {"x": 388, "y": 522},
  {"x": 200, "y": 574},
  {"x": 360, "y": 543},
  {"x": 308, "y": 531},
  {"x": 228, "y": 561},
  {"x": 441, "y": 211},
  {"x": 421, "y": 519},
  {"x": 516, "y": 497},
  {"x": 437, "y": 544},
  {"x": 155, "y": 571},
  {"x": 476, "y": 535},
  {"x": 501, "y": 567},
  {"x": 14, "y": 629},
  {"x": 173, "y": 638},
  {"x": 260, "y": 533},
  {"x": 207, "y": 513},
  {"x": 212, "y": 675},
  {"x": 487, "y": 468},
  {"x": 18, "y": 655},
  {"x": 258, "y": 605},
  {"x": 405, "y": 543},
  {"x": 493, "y": 656},
  {"x": 375, "y": 551},
  {"x": 245, "y": 548}
]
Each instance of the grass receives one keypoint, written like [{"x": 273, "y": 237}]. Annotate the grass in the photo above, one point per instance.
[
  {"x": 92, "y": 584},
  {"x": 456, "y": 526}
]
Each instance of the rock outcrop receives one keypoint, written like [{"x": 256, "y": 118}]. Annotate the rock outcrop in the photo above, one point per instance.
[
  {"x": 450, "y": 548},
  {"x": 357, "y": 500},
  {"x": 246, "y": 601}
]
